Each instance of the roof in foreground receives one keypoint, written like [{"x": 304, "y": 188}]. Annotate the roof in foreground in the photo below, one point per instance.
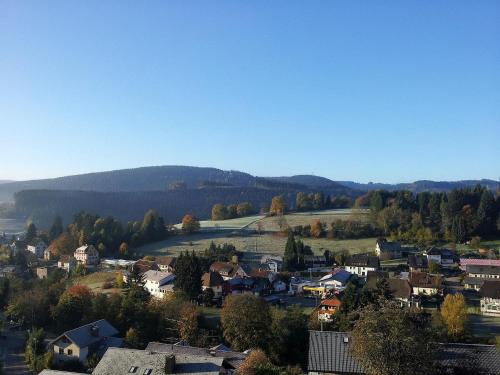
[
  {"x": 55, "y": 372},
  {"x": 119, "y": 361},
  {"x": 331, "y": 352},
  {"x": 485, "y": 357}
]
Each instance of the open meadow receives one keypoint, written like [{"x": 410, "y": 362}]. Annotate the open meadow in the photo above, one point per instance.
[{"x": 243, "y": 233}]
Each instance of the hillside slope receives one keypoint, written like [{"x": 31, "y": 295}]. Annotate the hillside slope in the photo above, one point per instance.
[{"x": 422, "y": 185}]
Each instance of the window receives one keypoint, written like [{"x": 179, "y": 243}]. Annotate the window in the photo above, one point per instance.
[
  {"x": 70, "y": 352},
  {"x": 132, "y": 369},
  {"x": 61, "y": 351},
  {"x": 148, "y": 371}
]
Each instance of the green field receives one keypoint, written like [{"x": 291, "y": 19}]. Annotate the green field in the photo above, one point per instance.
[
  {"x": 96, "y": 280},
  {"x": 242, "y": 233}
]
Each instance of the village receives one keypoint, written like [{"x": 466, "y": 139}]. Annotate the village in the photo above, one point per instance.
[{"x": 422, "y": 282}]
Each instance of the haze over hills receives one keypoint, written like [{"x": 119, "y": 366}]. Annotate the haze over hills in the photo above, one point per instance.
[{"x": 176, "y": 190}]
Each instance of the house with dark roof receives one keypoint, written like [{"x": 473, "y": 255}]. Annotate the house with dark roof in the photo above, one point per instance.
[
  {"x": 424, "y": 283},
  {"x": 232, "y": 360},
  {"x": 143, "y": 266},
  {"x": 360, "y": 264},
  {"x": 388, "y": 250},
  {"x": 212, "y": 280},
  {"x": 443, "y": 257},
  {"x": 338, "y": 278},
  {"x": 490, "y": 298},
  {"x": 485, "y": 272},
  {"x": 80, "y": 343},
  {"x": 144, "y": 362},
  {"x": 331, "y": 353},
  {"x": 230, "y": 270},
  {"x": 400, "y": 289},
  {"x": 418, "y": 263},
  {"x": 165, "y": 263}
]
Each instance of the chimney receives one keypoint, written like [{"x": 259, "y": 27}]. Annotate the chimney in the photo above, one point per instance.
[
  {"x": 169, "y": 364},
  {"x": 234, "y": 259},
  {"x": 94, "y": 330}
]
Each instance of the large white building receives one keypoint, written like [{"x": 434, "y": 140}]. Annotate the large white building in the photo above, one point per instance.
[
  {"x": 87, "y": 255},
  {"x": 158, "y": 283}
]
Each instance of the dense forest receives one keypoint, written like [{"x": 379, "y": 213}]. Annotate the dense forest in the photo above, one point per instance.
[{"x": 427, "y": 217}]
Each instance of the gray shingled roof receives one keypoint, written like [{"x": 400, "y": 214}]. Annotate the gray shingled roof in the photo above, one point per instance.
[
  {"x": 83, "y": 336},
  {"x": 233, "y": 359},
  {"x": 485, "y": 357},
  {"x": 55, "y": 372},
  {"x": 119, "y": 361},
  {"x": 331, "y": 352}
]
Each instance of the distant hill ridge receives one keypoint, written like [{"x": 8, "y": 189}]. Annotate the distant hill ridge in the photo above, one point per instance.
[{"x": 158, "y": 178}]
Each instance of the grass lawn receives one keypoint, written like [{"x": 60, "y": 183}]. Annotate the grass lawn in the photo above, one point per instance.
[{"x": 96, "y": 280}]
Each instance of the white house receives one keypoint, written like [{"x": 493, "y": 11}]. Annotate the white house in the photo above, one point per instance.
[
  {"x": 337, "y": 279},
  {"x": 87, "y": 255},
  {"x": 212, "y": 280},
  {"x": 158, "y": 283},
  {"x": 37, "y": 249},
  {"x": 443, "y": 257},
  {"x": 79, "y": 343},
  {"x": 490, "y": 298},
  {"x": 362, "y": 264},
  {"x": 67, "y": 263}
]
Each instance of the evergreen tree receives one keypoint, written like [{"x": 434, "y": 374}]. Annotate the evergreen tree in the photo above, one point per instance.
[
  {"x": 188, "y": 273},
  {"x": 31, "y": 232},
  {"x": 290, "y": 256},
  {"x": 56, "y": 229},
  {"x": 485, "y": 216},
  {"x": 458, "y": 229}
]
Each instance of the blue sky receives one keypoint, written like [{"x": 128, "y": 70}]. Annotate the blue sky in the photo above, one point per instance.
[{"x": 387, "y": 91}]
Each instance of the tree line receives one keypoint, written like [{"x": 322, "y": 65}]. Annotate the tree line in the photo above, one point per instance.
[
  {"x": 222, "y": 212},
  {"x": 427, "y": 217}
]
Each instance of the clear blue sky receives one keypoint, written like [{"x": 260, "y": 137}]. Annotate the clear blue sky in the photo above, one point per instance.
[{"x": 386, "y": 91}]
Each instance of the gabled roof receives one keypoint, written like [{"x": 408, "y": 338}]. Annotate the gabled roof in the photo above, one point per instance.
[
  {"x": 486, "y": 270},
  {"x": 389, "y": 246},
  {"x": 158, "y": 276},
  {"x": 89, "y": 334},
  {"x": 360, "y": 260},
  {"x": 166, "y": 261},
  {"x": 211, "y": 279},
  {"x": 143, "y": 265},
  {"x": 119, "y": 361},
  {"x": 399, "y": 288},
  {"x": 479, "y": 262},
  {"x": 330, "y": 352},
  {"x": 425, "y": 280},
  {"x": 444, "y": 253},
  {"x": 417, "y": 261},
  {"x": 338, "y": 274},
  {"x": 490, "y": 289},
  {"x": 331, "y": 302}
]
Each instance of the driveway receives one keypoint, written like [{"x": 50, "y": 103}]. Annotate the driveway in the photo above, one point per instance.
[{"x": 12, "y": 352}]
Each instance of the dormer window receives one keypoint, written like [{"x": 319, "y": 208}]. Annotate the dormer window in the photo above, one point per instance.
[
  {"x": 133, "y": 369},
  {"x": 148, "y": 371}
]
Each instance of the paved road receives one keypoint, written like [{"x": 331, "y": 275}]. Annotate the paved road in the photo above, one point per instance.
[{"x": 12, "y": 349}]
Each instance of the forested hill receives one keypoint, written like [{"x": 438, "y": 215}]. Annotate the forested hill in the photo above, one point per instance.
[
  {"x": 137, "y": 179},
  {"x": 423, "y": 185},
  {"x": 43, "y": 205}
]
